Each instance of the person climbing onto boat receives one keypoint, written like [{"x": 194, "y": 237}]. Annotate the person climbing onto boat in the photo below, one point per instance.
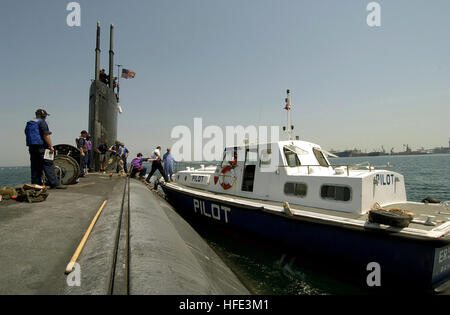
[
  {"x": 156, "y": 165},
  {"x": 137, "y": 167},
  {"x": 168, "y": 160}
]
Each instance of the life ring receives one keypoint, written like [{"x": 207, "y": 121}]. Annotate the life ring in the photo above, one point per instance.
[{"x": 225, "y": 170}]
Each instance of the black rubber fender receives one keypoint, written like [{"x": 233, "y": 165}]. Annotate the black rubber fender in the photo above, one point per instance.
[
  {"x": 389, "y": 218},
  {"x": 431, "y": 200}
]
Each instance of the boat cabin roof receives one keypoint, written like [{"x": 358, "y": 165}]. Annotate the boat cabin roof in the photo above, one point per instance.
[{"x": 293, "y": 153}]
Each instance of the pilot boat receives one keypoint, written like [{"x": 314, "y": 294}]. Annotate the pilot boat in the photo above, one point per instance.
[{"x": 289, "y": 192}]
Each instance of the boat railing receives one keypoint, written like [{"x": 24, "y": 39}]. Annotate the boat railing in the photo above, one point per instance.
[
  {"x": 182, "y": 166},
  {"x": 347, "y": 167}
]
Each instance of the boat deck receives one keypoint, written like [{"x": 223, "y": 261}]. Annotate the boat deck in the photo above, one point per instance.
[{"x": 439, "y": 216}]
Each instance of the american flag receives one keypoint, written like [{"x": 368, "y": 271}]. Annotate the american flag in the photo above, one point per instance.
[{"x": 128, "y": 74}]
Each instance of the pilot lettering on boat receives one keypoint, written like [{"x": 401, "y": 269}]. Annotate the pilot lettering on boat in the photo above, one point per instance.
[
  {"x": 384, "y": 179},
  {"x": 214, "y": 211}
]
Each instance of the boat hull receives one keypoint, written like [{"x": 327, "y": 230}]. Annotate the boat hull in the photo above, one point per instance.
[{"x": 405, "y": 263}]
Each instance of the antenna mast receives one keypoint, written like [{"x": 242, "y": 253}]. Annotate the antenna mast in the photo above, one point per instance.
[
  {"x": 288, "y": 127},
  {"x": 118, "y": 81}
]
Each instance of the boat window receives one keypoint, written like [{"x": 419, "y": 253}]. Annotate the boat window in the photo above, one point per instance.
[
  {"x": 266, "y": 157},
  {"x": 341, "y": 193},
  {"x": 296, "y": 189},
  {"x": 291, "y": 157},
  {"x": 320, "y": 157}
]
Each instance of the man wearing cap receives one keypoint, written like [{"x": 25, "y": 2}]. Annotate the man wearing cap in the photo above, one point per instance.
[
  {"x": 82, "y": 146},
  {"x": 38, "y": 140},
  {"x": 123, "y": 152},
  {"x": 115, "y": 160}
]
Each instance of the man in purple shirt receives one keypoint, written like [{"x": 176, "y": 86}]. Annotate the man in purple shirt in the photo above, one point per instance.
[{"x": 138, "y": 168}]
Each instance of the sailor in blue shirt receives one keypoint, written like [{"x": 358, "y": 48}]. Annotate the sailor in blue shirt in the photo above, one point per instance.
[
  {"x": 124, "y": 154},
  {"x": 168, "y": 164},
  {"x": 38, "y": 140},
  {"x": 82, "y": 146}
]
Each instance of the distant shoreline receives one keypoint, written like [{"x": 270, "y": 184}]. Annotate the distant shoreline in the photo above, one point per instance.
[{"x": 349, "y": 157}]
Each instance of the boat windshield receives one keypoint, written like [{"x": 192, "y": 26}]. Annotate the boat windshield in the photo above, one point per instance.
[
  {"x": 291, "y": 157},
  {"x": 296, "y": 149},
  {"x": 320, "y": 157}
]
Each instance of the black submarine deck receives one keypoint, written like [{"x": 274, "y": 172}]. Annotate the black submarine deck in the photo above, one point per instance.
[{"x": 166, "y": 256}]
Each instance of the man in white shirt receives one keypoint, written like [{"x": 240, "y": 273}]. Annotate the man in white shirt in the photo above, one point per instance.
[{"x": 156, "y": 165}]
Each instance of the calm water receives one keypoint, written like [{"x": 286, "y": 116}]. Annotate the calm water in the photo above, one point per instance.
[{"x": 267, "y": 269}]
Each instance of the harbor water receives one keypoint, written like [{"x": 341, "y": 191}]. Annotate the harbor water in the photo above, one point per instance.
[{"x": 271, "y": 270}]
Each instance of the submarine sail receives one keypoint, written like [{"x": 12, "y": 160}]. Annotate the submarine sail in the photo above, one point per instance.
[{"x": 102, "y": 101}]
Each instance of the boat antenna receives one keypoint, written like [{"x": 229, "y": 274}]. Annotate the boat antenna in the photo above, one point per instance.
[{"x": 289, "y": 128}]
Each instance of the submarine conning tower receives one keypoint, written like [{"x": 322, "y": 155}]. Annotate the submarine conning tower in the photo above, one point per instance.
[{"x": 103, "y": 100}]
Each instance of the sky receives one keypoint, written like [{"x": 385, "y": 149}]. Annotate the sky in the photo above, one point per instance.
[{"x": 230, "y": 62}]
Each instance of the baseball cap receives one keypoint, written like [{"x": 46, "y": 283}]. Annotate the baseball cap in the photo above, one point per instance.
[{"x": 42, "y": 113}]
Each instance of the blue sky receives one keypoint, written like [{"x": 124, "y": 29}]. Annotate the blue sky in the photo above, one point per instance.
[{"x": 230, "y": 63}]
